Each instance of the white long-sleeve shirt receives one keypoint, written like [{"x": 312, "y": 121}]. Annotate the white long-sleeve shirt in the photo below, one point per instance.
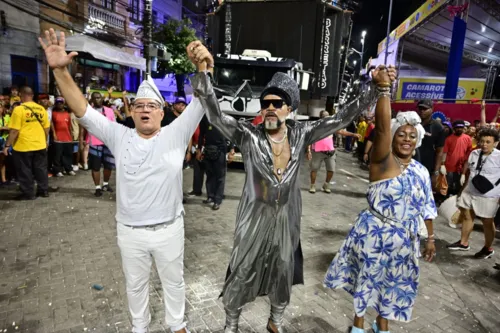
[{"x": 148, "y": 171}]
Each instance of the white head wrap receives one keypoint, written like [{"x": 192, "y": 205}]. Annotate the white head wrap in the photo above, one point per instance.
[
  {"x": 408, "y": 118},
  {"x": 148, "y": 89}
]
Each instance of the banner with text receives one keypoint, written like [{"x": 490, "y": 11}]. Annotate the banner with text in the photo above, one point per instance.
[{"x": 414, "y": 88}]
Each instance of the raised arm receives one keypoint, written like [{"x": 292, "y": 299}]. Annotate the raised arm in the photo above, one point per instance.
[
  {"x": 227, "y": 125},
  {"x": 185, "y": 125},
  {"x": 383, "y": 137},
  {"x": 483, "y": 114},
  {"x": 58, "y": 60},
  {"x": 322, "y": 128}
]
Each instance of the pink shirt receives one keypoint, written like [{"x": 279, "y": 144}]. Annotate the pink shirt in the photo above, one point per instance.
[
  {"x": 325, "y": 144},
  {"x": 92, "y": 140}
]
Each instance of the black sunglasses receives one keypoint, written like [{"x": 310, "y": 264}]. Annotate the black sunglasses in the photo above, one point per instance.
[{"x": 266, "y": 103}]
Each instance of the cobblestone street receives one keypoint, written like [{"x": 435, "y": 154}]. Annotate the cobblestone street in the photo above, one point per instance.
[{"x": 52, "y": 251}]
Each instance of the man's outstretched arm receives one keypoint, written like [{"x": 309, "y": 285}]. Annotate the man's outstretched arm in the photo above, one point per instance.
[
  {"x": 227, "y": 125},
  {"x": 322, "y": 128},
  {"x": 58, "y": 60}
]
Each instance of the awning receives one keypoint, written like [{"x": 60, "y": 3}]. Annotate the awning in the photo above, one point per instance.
[
  {"x": 104, "y": 51},
  {"x": 427, "y": 34}
]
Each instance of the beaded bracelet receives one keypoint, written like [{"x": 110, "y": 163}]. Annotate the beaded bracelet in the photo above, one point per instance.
[{"x": 383, "y": 94}]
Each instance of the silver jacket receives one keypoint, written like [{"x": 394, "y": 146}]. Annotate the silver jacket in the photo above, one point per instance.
[{"x": 267, "y": 235}]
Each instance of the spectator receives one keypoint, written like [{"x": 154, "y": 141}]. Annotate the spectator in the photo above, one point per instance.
[
  {"x": 75, "y": 133},
  {"x": 198, "y": 169},
  {"x": 83, "y": 146},
  {"x": 472, "y": 133},
  {"x": 212, "y": 148},
  {"x": 447, "y": 128},
  {"x": 14, "y": 95},
  {"x": 29, "y": 129},
  {"x": 368, "y": 148},
  {"x": 178, "y": 107},
  {"x": 476, "y": 199},
  {"x": 63, "y": 141},
  {"x": 362, "y": 127},
  {"x": 4, "y": 133},
  {"x": 44, "y": 100},
  {"x": 324, "y": 150},
  {"x": 455, "y": 152},
  {"x": 100, "y": 155},
  {"x": 430, "y": 154},
  {"x": 349, "y": 140}
]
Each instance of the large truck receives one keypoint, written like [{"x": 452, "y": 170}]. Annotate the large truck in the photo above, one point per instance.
[
  {"x": 253, "y": 40},
  {"x": 240, "y": 79}
]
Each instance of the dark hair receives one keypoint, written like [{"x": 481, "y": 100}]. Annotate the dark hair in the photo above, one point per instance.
[{"x": 488, "y": 132}]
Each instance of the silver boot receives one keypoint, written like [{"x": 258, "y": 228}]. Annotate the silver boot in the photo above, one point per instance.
[
  {"x": 277, "y": 313},
  {"x": 232, "y": 319}
]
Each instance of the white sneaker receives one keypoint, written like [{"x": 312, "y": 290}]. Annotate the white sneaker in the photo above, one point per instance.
[
  {"x": 75, "y": 167},
  {"x": 326, "y": 188},
  {"x": 85, "y": 167},
  {"x": 72, "y": 173},
  {"x": 59, "y": 174},
  {"x": 312, "y": 189}
]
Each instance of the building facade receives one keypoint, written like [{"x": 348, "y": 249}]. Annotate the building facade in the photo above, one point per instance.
[
  {"x": 164, "y": 10},
  {"x": 20, "y": 53},
  {"x": 107, "y": 40}
]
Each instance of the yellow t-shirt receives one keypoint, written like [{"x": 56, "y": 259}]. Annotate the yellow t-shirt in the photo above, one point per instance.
[
  {"x": 362, "y": 126},
  {"x": 31, "y": 125}
]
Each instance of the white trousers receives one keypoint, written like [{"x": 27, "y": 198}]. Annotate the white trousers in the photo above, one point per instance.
[{"x": 138, "y": 247}]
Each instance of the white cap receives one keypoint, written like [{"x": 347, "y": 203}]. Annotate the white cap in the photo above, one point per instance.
[
  {"x": 118, "y": 103},
  {"x": 148, "y": 89}
]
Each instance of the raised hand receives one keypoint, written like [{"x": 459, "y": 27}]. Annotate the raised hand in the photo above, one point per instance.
[
  {"x": 384, "y": 75},
  {"x": 199, "y": 55},
  {"x": 55, "y": 50}
]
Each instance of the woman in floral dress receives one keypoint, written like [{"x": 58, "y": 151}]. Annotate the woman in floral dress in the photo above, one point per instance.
[{"x": 378, "y": 262}]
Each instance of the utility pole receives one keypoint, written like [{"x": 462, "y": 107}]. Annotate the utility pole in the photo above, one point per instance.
[
  {"x": 363, "y": 35},
  {"x": 388, "y": 34},
  {"x": 147, "y": 27}
]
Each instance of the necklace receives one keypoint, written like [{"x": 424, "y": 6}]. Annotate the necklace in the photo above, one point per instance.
[
  {"x": 281, "y": 152},
  {"x": 402, "y": 165},
  {"x": 278, "y": 141},
  {"x": 143, "y": 158}
]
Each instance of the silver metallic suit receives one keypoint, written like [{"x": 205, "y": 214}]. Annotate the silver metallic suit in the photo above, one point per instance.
[{"x": 266, "y": 257}]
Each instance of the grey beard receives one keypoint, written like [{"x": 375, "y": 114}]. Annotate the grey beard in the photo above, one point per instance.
[{"x": 271, "y": 125}]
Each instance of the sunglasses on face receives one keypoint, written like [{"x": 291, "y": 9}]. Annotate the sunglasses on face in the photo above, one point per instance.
[{"x": 277, "y": 103}]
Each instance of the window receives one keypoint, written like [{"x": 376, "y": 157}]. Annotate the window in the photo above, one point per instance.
[
  {"x": 108, "y": 4},
  {"x": 165, "y": 18},
  {"x": 135, "y": 10},
  {"x": 155, "y": 17}
]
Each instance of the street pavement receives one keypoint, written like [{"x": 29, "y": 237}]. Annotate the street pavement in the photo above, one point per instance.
[{"x": 52, "y": 251}]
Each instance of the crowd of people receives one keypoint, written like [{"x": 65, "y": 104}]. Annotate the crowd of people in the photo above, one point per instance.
[
  {"x": 48, "y": 141},
  {"x": 407, "y": 155}
]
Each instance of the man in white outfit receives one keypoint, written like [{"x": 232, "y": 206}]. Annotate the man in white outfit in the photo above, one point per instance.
[{"x": 149, "y": 161}]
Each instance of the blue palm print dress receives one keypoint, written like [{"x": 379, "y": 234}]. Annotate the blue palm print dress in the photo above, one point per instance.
[{"x": 378, "y": 262}]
